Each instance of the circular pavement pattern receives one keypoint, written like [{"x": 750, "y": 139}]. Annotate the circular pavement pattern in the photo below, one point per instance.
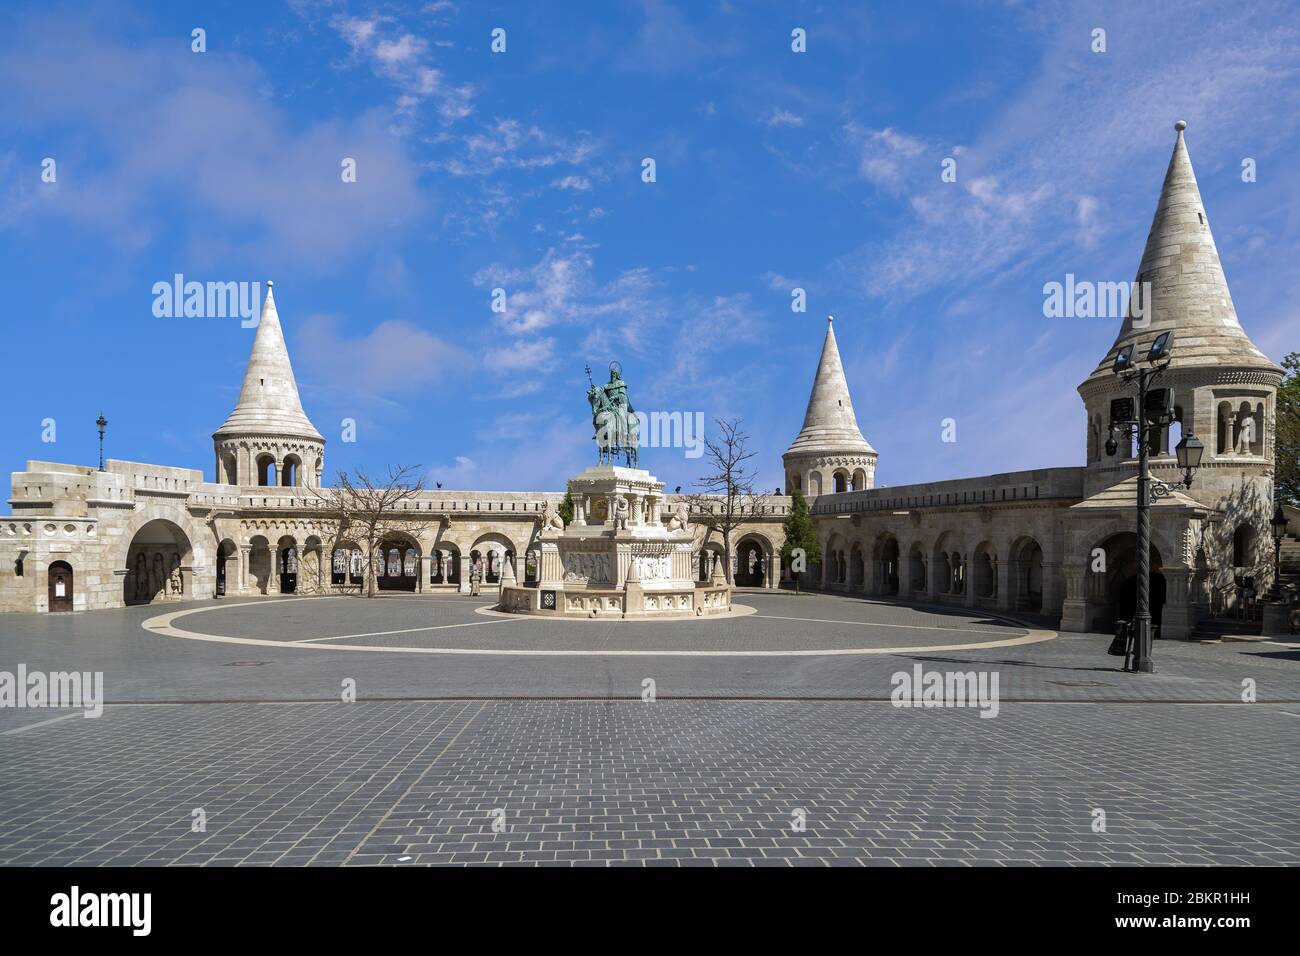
[{"x": 770, "y": 626}]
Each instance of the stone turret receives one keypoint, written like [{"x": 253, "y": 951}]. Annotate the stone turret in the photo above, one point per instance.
[
  {"x": 829, "y": 454},
  {"x": 1224, "y": 388},
  {"x": 268, "y": 439}
]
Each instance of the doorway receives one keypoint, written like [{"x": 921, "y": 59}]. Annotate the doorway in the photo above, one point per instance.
[{"x": 60, "y": 586}]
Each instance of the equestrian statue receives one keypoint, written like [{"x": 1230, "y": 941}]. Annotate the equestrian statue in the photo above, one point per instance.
[{"x": 615, "y": 421}]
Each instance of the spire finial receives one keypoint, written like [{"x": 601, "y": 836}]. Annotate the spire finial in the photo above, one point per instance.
[
  {"x": 270, "y": 283},
  {"x": 830, "y": 319},
  {"x": 1180, "y": 125}
]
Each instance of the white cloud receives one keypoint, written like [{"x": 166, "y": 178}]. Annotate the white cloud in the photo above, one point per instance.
[{"x": 780, "y": 117}]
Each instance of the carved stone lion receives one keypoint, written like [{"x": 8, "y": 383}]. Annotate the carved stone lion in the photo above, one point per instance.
[
  {"x": 621, "y": 511},
  {"x": 551, "y": 520},
  {"x": 681, "y": 518}
]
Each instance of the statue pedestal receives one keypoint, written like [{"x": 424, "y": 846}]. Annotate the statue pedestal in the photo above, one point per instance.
[{"x": 616, "y": 558}]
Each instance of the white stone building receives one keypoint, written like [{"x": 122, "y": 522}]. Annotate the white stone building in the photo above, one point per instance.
[{"x": 79, "y": 538}]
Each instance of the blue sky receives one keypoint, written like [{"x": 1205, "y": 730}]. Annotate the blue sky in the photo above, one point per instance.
[{"x": 522, "y": 170}]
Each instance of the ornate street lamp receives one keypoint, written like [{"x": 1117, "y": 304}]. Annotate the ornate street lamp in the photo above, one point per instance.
[
  {"x": 1154, "y": 413},
  {"x": 1278, "y": 524},
  {"x": 102, "y": 422}
]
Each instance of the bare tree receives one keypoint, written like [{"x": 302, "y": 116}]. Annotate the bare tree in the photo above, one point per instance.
[
  {"x": 368, "y": 511},
  {"x": 726, "y": 498}
]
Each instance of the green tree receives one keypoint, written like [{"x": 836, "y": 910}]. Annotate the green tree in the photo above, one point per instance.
[
  {"x": 1286, "y": 450},
  {"x": 565, "y": 511},
  {"x": 800, "y": 537}
]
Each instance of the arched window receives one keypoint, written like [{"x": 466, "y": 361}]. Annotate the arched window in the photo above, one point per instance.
[
  {"x": 1243, "y": 546},
  {"x": 410, "y": 563},
  {"x": 289, "y": 472},
  {"x": 840, "y": 484},
  {"x": 266, "y": 471}
]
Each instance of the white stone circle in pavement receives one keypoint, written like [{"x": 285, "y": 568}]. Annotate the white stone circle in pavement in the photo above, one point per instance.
[{"x": 163, "y": 625}]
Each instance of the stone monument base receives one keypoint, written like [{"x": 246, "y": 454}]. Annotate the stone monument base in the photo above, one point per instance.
[{"x": 618, "y": 558}]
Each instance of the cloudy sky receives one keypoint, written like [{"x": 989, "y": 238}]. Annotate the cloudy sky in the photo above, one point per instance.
[{"x": 522, "y": 171}]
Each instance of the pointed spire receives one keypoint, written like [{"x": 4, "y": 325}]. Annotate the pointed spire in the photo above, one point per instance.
[
  {"x": 829, "y": 425},
  {"x": 269, "y": 402},
  {"x": 1189, "y": 292}
]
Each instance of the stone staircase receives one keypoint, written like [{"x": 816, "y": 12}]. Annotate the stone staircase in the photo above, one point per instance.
[{"x": 1226, "y": 629}]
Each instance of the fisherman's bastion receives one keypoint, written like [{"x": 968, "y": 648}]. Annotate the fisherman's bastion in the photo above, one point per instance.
[{"x": 1056, "y": 542}]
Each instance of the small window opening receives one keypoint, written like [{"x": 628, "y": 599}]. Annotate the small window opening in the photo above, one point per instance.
[{"x": 1201, "y": 216}]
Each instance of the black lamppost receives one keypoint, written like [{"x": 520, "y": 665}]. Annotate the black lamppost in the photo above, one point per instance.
[
  {"x": 1278, "y": 524},
  {"x": 101, "y": 422},
  {"x": 1155, "y": 411}
]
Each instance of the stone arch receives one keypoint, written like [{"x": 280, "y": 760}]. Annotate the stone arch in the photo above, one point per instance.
[
  {"x": 984, "y": 572},
  {"x": 885, "y": 570},
  {"x": 1025, "y": 574},
  {"x": 1110, "y": 591},
  {"x": 857, "y": 569},
  {"x": 227, "y": 566},
  {"x": 159, "y": 560},
  {"x": 707, "y": 557},
  {"x": 494, "y": 548},
  {"x": 753, "y": 556},
  {"x": 814, "y": 483},
  {"x": 917, "y": 569},
  {"x": 266, "y": 471},
  {"x": 948, "y": 564},
  {"x": 860, "y": 479},
  {"x": 291, "y": 471},
  {"x": 261, "y": 563},
  {"x": 840, "y": 481}
]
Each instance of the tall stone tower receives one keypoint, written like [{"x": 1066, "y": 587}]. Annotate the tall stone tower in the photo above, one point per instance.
[
  {"x": 1225, "y": 389},
  {"x": 268, "y": 439},
  {"x": 829, "y": 454}
]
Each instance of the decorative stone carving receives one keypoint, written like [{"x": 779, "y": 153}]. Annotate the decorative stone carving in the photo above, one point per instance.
[
  {"x": 551, "y": 520},
  {"x": 681, "y": 518}
]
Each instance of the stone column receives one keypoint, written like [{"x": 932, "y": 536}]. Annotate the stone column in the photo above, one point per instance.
[
  {"x": 1178, "y": 617},
  {"x": 244, "y": 558},
  {"x": 426, "y": 571},
  {"x": 635, "y": 503},
  {"x": 463, "y": 588},
  {"x": 1053, "y": 592}
]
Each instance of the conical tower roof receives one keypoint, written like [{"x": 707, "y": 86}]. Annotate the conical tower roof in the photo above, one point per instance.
[
  {"x": 1189, "y": 292},
  {"x": 829, "y": 425},
  {"x": 268, "y": 402}
]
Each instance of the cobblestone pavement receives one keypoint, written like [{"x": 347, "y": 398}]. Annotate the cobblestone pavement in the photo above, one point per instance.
[
  {"x": 715, "y": 771},
  {"x": 686, "y": 782}
]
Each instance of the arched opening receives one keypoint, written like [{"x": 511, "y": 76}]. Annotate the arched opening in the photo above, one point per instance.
[
  {"x": 916, "y": 576},
  {"x": 815, "y": 483},
  {"x": 398, "y": 565},
  {"x": 445, "y": 566},
  {"x": 859, "y": 480},
  {"x": 886, "y": 559},
  {"x": 857, "y": 567},
  {"x": 227, "y": 563},
  {"x": 60, "y": 587},
  {"x": 750, "y": 558},
  {"x": 949, "y": 566},
  {"x": 1243, "y": 547},
  {"x": 231, "y": 466},
  {"x": 706, "y": 559},
  {"x": 984, "y": 573},
  {"x": 841, "y": 480},
  {"x": 266, "y": 470},
  {"x": 1026, "y": 575},
  {"x": 157, "y": 564},
  {"x": 1111, "y": 582},
  {"x": 291, "y": 471},
  {"x": 287, "y": 564},
  {"x": 532, "y": 567}
]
